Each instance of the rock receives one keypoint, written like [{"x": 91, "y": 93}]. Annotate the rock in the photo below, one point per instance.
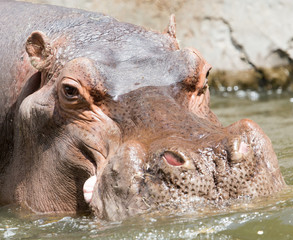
[{"x": 249, "y": 43}]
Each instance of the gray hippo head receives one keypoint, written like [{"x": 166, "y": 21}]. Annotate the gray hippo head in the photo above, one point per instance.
[{"x": 120, "y": 124}]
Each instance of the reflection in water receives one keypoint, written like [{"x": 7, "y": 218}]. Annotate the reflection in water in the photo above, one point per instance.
[{"x": 263, "y": 219}]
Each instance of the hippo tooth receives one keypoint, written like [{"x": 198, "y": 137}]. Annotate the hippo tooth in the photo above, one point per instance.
[{"x": 88, "y": 188}]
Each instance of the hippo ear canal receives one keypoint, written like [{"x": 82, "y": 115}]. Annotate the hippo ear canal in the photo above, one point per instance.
[{"x": 39, "y": 50}]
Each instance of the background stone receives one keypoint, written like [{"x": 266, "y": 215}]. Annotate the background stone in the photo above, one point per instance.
[{"x": 249, "y": 43}]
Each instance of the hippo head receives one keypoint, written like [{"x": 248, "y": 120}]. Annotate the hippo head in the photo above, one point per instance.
[{"x": 123, "y": 126}]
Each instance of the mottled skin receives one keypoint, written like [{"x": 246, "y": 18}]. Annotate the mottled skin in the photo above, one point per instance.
[{"x": 85, "y": 95}]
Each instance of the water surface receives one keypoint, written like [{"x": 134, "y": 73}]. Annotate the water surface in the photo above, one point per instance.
[{"x": 270, "y": 218}]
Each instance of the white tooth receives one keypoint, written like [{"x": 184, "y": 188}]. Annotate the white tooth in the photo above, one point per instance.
[
  {"x": 88, "y": 197},
  {"x": 88, "y": 188}
]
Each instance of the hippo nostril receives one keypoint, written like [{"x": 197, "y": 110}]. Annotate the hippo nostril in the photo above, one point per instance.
[{"x": 173, "y": 158}]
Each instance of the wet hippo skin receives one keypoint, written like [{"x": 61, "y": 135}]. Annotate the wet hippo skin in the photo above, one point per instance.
[{"x": 104, "y": 116}]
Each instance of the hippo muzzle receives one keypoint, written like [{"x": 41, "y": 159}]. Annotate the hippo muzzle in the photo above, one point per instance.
[{"x": 174, "y": 159}]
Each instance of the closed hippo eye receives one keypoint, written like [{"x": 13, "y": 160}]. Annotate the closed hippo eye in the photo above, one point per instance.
[{"x": 173, "y": 159}]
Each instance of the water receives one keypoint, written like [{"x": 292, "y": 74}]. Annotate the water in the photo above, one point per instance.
[{"x": 263, "y": 219}]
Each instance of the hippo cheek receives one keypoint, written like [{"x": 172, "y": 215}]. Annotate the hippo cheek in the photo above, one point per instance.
[{"x": 118, "y": 191}]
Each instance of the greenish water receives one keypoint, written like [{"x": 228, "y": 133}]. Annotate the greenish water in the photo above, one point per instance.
[{"x": 265, "y": 219}]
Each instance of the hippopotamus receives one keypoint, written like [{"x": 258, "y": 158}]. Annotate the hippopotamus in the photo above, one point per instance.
[{"x": 106, "y": 117}]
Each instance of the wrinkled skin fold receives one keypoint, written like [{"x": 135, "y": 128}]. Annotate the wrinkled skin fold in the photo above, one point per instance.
[{"x": 108, "y": 117}]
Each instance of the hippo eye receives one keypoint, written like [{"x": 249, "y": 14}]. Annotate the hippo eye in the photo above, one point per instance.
[{"x": 70, "y": 91}]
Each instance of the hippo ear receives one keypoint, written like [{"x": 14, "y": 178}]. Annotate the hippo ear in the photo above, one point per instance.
[
  {"x": 171, "y": 28},
  {"x": 39, "y": 50}
]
